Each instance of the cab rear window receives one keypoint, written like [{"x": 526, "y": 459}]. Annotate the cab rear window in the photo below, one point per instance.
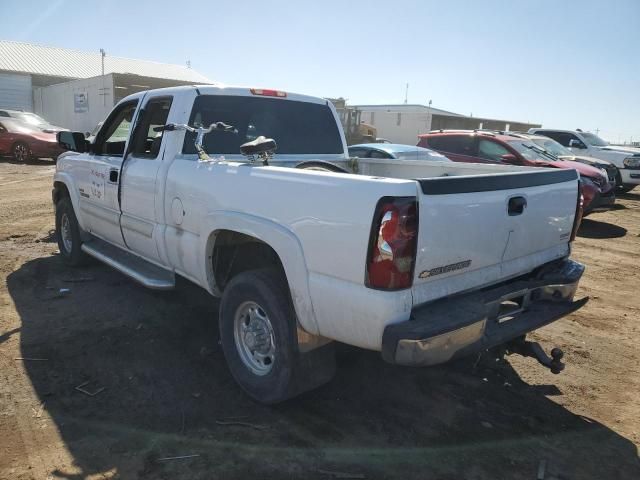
[{"x": 297, "y": 127}]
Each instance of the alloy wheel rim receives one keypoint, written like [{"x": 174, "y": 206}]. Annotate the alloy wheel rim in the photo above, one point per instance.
[
  {"x": 254, "y": 338},
  {"x": 65, "y": 233},
  {"x": 21, "y": 152}
]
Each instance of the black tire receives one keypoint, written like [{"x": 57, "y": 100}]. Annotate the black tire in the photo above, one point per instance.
[
  {"x": 74, "y": 255},
  {"x": 291, "y": 372},
  {"x": 21, "y": 152}
]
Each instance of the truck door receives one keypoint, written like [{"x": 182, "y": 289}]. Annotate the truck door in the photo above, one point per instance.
[
  {"x": 98, "y": 180},
  {"x": 140, "y": 211}
]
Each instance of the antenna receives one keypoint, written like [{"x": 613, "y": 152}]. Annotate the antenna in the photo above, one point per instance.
[
  {"x": 406, "y": 93},
  {"x": 188, "y": 63}
]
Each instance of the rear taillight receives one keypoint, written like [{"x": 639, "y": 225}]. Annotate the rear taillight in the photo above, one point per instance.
[
  {"x": 579, "y": 210},
  {"x": 392, "y": 246}
]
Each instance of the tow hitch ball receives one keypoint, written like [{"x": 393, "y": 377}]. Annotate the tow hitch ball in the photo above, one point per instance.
[{"x": 534, "y": 350}]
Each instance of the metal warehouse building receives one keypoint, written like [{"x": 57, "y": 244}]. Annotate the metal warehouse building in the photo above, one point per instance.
[
  {"x": 404, "y": 122},
  {"x": 68, "y": 87}
]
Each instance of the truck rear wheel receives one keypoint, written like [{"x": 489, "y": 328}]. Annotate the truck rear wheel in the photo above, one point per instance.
[
  {"x": 259, "y": 339},
  {"x": 68, "y": 233}
]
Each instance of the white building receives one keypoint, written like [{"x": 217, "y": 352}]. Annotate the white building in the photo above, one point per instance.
[
  {"x": 404, "y": 122},
  {"x": 28, "y": 71}
]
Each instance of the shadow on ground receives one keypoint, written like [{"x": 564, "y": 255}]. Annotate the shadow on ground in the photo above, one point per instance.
[
  {"x": 166, "y": 390},
  {"x": 632, "y": 195},
  {"x": 591, "y": 228},
  {"x": 31, "y": 161}
]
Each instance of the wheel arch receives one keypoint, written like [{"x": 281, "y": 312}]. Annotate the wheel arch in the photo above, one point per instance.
[
  {"x": 234, "y": 229},
  {"x": 64, "y": 186}
]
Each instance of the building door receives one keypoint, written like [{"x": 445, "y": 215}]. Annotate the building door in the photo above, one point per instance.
[{"x": 16, "y": 92}]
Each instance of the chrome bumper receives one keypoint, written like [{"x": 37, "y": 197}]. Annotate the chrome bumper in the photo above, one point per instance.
[{"x": 472, "y": 322}]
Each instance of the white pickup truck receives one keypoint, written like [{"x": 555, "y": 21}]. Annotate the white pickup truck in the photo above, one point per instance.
[
  {"x": 586, "y": 144},
  {"x": 423, "y": 261}
]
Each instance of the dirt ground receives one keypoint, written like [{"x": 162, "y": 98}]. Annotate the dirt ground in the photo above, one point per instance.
[{"x": 161, "y": 388}]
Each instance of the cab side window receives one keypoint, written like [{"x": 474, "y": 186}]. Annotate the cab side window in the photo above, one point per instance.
[
  {"x": 490, "y": 150},
  {"x": 460, "y": 144},
  {"x": 146, "y": 141},
  {"x": 113, "y": 135},
  {"x": 563, "y": 138}
]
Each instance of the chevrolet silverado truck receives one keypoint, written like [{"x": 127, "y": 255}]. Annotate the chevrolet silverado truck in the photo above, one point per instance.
[{"x": 251, "y": 194}]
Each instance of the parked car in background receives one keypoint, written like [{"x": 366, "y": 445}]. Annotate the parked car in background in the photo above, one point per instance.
[
  {"x": 30, "y": 119},
  {"x": 585, "y": 144},
  {"x": 563, "y": 153},
  {"x": 23, "y": 141},
  {"x": 518, "y": 149},
  {"x": 395, "y": 150}
]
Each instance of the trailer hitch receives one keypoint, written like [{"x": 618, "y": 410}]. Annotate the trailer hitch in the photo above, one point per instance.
[{"x": 534, "y": 350}]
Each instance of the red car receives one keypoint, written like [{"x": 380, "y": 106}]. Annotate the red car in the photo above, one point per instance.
[
  {"x": 23, "y": 141},
  {"x": 519, "y": 149}
]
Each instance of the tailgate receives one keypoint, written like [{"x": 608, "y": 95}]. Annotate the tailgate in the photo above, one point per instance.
[{"x": 478, "y": 230}]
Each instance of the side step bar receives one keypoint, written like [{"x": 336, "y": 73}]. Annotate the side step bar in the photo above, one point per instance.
[{"x": 140, "y": 270}]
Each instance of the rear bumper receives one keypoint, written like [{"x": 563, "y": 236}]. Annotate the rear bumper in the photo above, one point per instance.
[
  {"x": 601, "y": 202},
  {"x": 472, "y": 322}
]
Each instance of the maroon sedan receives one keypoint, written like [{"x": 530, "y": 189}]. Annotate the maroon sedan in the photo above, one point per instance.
[{"x": 23, "y": 141}]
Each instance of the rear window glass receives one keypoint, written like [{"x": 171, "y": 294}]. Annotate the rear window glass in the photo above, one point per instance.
[{"x": 297, "y": 127}]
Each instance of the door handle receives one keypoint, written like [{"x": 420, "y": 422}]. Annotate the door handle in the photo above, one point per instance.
[
  {"x": 516, "y": 206},
  {"x": 113, "y": 176}
]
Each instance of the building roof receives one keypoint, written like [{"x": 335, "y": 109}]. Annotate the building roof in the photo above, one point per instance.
[
  {"x": 407, "y": 106},
  {"x": 33, "y": 59}
]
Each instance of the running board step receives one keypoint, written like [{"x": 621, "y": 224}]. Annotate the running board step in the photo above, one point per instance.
[{"x": 139, "y": 269}]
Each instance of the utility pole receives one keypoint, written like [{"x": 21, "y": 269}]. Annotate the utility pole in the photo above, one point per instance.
[
  {"x": 102, "y": 55},
  {"x": 104, "y": 92},
  {"x": 406, "y": 94}
]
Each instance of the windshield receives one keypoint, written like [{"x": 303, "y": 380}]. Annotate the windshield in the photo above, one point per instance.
[
  {"x": 531, "y": 151},
  {"x": 552, "y": 147},
  {"x": 30, "y": 118},
  {"x": 297, "y": 127},
  {"x": 594, "y": 140}
]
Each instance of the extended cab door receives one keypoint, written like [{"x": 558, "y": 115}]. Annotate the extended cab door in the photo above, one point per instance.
[
  {"x": 98, "y": 176},
  {"x": 139, "y": 192}
]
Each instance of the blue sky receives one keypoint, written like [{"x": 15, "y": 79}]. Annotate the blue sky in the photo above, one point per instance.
[{"x": 566, "y": 64}]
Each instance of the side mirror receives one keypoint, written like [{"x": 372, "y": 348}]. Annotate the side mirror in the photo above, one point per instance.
[
  {"x": 509, "y": 158},
  {"x": 573, "y": 143},
  {"x": 73, "y": 141}
]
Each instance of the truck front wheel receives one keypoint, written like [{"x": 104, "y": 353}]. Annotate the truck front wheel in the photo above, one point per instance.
[
  {"x": 68, "y": 233},
  {"x": 259, "y": 339}
]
